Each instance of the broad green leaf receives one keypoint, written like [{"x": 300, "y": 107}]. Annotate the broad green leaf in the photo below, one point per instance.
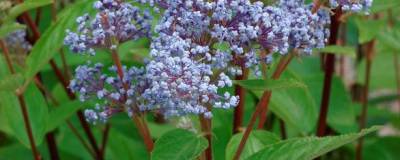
[
  {"x": 293, "y": 106},
  {"x": 52, "y": 39},
  {"x": 340, "y": 50},
  {"x": 60, "y": 114},
  {"x": 341, "y": 115},
  {"x": 25, "y": 6},
  {"x": 269, "y": 84},
  {"x": 368, "y": 29},
  {"x": 15, "y": 152},
  {"x": 257, "y": 140},
  {"x": 123, "y": 147},
  {"x": 221, "y": 131},
  {"x": 37, "y": 113},
  {"x": 308, "y": 147},
  {"x": 179, "y": 145},
  {"x": 10, "y": 109},
  {"x": 382, "y": 72},
  {"x": 8, "y": 28},
  {"x": 157, "y": 130},
  {"x": 11, "y": 82},
  {"x": 383, "y": 148}
]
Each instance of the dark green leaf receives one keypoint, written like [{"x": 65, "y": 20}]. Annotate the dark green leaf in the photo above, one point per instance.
[
  {"x": 384, "y": 148},
  {"x": 179, "y": 145},
  {"x": 25, "y": 6},
  {"x": 62, "y": 113},
  {"x": 308, "y": 147}
]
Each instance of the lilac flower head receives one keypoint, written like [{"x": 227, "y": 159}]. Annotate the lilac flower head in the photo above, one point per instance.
[
  {"x": 352, "y": 5},
  {"x": 182, "y": 81},
  {"x": 112, "y": 94},
  {"x": 307, "y": 30},
  {"x": 116, "y": 22}
]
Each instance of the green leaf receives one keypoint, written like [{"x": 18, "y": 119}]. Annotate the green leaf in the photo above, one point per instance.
[
  {"x": 308, "y": 147},
  {"x": 37, "y": 113},
  {"x": 340, "y": 50},
  {"x": 341, "y": 114},
  {"x": 257, "y": 140},
  {"x": 369, "y": 29},
  {"x": 7, "y": 28},
  {"x": 60, "y": 114},
  {"x": 179, "y": 144},
  {"x": 383, "y": 148},
  {"x": 11, "y": 113},
  {"x": 15, "y": 152},
  {"x": 382, "y": 72},
  {"x": 25, "y": 6},
  {"x": 269, "y": 84},
  {"x": 52, "y": 39},
  {"x": 123, "y": 147},
  {"x": 11, "y": 82},
  {"x": 381, "y": 5},
  {"x": 294, "y": 106}
]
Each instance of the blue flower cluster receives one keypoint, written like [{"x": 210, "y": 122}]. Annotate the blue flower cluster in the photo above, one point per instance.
[
  {"x": 116, "y": 22},
  {"x": 182, "y": 78},
  {"x": 352, "y": 5},
  {"x": 115, "y": 94},
  {"x": 16, "y": 42},
  {"x": 199, "y": 45}
]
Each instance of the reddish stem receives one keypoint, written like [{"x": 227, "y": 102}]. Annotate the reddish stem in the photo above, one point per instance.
[
  {"x": 262, "y": 106},
  {"x": 140, "y": 124},
  {"x": 397, "y": 73},
  {"x": 239, "y": 109},
  {"x": 144, "y": 132},
  {"x": 64, "y": 82},
  {"x": 370, "y": 51},
  {"x": 284, "y": 62},
  {"x": 23, "y": 107},
  {"x": 105, "y": 139},
  {"x": 206, "y": 128},
  {"x": 329, "y": 70},
  {"x": 51, "y": 142}
]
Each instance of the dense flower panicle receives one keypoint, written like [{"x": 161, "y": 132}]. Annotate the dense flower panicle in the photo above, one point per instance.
[
  {"x": 200, "y": 45},
  {"x": 307, "y": 30},
  {"x": 275, "y": 30},
  {"x": 352, "y": 5},
  {"x": 182, "y": 79},
  {"x": 116, "y": 22},
  {"x": 113, "y": 94}
]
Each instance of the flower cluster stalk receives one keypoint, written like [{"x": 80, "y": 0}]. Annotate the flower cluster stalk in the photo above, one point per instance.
[
  {"x": 64, "y": 82},
  {"x": 21, "y": 100}
]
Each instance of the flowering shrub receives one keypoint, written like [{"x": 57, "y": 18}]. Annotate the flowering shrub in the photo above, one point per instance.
[{"x": 166, "y": 64}]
